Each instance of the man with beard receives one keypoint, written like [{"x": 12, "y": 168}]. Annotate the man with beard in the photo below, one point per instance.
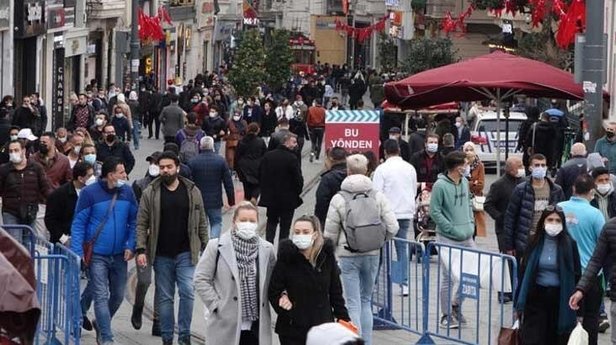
[
  {"x": 57, "y": 166},
  {"x": 171, "y": 231},
  {"x": 111, "y": 146}
]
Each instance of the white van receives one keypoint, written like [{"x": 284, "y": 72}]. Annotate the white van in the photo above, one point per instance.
[{"x": 484, "y": 136}]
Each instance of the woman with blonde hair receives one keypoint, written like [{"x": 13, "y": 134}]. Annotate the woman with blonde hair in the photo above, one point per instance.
[
  {"x": 476, "y": 180},
  {"x": 305, "y": 289},
  {"x": 232, "y": 280}
]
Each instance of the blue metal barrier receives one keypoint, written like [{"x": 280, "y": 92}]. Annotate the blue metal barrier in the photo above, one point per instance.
[
  {"x": 57, "y": 286},
  {"x": 481, "y": 277}
]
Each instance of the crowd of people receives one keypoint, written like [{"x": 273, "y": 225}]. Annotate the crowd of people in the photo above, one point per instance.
[{"x": 320, "y": 278}]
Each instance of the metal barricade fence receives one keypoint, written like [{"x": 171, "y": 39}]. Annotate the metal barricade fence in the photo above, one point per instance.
[
  {"x": 440, "y": 276},
  {"x": 57, "y": 272}
]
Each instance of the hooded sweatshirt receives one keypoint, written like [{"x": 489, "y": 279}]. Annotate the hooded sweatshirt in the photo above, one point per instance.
[{"x": 450, "y": 208}]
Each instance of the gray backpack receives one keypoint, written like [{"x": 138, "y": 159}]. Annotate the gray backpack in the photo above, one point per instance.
[{"x": 363, "y": 228}]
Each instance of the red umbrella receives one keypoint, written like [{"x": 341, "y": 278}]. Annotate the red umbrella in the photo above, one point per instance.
[{"x": 492, "y": 76}]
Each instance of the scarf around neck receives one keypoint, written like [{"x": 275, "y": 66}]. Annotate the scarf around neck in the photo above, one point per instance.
[{"x": 246, "y": 252}]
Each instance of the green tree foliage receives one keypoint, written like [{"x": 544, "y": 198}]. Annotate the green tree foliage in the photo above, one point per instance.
[
  {"x": 279, "y": 58},
  {"x": 428, "y": 53},
  {"x": 248, "y": 70},
  {"x": 388, "y": 53}
]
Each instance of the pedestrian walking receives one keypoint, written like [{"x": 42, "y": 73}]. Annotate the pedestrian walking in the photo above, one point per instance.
[
  {"x": 172, "y": 119},
  {"x": 316, "y": 128},
  {"x": 105, "y": 216},
  {"x": 584, "y": 224},
  {"x": 232, "y": 279},
  {"x": 56, "y": 165},
  {"x": 574, "y": 167},
  {"x": 397, "y": 180},
  {"x": 82, "y": 115},
  {"x": 215, "y": 126},
  {"x": 74, "y": 145},
  {"x": 604, "y": 146},
  {"x": 526, "y": 205},
  {"x": 250, "y": 152},
  {"x": 358, "y": 269},
  {"x": 450, "y": 208},
  {"x": 461, "y": 133},
  {"x": 188, "y": 138},
  {"x": 210, "y": 172},
  {"x": 171, "y": 232},
  {"x": 270, "y": 120},
  {"x": 306, "y": 274},
  {"x": 428, "y": 163},
  {"x": 476, "y": 181},
  {"x": 112, "y": 146},
  {"x": 137, "y": 113},
  {"x": 236, "y": 129},
  {"x": 281, "y": 183},
  {"x": 395, "y": 134},
  {"x": 23, "y": 186},
  {"x": 550, "y": 268},
  {"x": 331, "y": 179}
]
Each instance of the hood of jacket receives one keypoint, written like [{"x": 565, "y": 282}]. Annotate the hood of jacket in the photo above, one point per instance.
[
  {"x": 356, "y": 183},
  {"x": 289, "y": 253},
  {"x": 192, "y": 129}
]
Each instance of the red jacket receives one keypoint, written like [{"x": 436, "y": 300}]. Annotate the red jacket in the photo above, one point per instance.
[{"x": 316, "y": 117}]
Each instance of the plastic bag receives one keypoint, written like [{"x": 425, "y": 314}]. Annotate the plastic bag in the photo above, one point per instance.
[
  {"x": 510, "y": 336},
  {"x": 578, "y": 336}
]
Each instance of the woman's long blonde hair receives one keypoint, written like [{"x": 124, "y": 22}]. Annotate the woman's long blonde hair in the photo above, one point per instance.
[{"x": 317, "y": 246}]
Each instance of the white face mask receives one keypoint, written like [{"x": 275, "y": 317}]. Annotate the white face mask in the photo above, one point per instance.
[
  {"x": 213, "y": 114},
  {"x": 15, "y": 157},
  {"x": 553, "y": 229},
  {"x": 303, "y": 241},
  {"x": 236, "y": 118},
  {"x": 153, "y": 170},
  {"x": 246, "y": 230},
  {"x": 120, "y": 183},
  {"x": 13, "y": 137},
  {"x": 521, "y": 173},
  {"x": 100, "y": 122},
  {"x": 604, "y": 188},
  {"x": 119, "y": 115},
  {"x": 432, "y": 147},
  {"x": 62, "y": 140},
  {"x": 77, "y": 149},
  {"x": 91, "y": 180},
  {"x": 458, "y": 124}
]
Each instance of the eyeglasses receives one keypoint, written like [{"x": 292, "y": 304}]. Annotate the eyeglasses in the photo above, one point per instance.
[{"x": 553, "y": 208}]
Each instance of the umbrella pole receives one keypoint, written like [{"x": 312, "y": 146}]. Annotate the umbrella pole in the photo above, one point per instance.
[{"x": 498, "y": 132}]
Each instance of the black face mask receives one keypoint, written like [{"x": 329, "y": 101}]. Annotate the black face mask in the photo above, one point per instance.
[
  {"x": 110, "y": 138},
  {"x": 610, "y": 135},
  {"x": 168, "y": 179},
  {"x": 43, "y": 149}
]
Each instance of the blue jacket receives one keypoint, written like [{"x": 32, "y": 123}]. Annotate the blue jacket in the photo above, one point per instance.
[
  {"x": 519, "y": 215},
  {"x": 210, "y": 172},
  {"x": 584, "y": 224},
  {"x": 118, "y": 232},
  {"x": 607, "y": 149}
]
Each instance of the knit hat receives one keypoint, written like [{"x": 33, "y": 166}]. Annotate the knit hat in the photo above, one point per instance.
[{"x": 330, "y": 334}]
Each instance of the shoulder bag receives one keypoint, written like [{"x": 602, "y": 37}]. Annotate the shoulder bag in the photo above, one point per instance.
[{"x": 88, "y": 247}]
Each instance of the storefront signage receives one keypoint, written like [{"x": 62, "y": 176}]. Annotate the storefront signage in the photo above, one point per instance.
[
  {"x": 58, "y": 88},
  {"x": 354, "y": 130},
  {"x": 30, "y": 21}
]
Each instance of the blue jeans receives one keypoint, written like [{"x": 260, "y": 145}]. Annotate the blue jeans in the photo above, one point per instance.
[
  {"x": 86, "y": 298},
  {"x": 136, "y": 133},
  {"x": 358, "y": 278},
  {"x": 169, "y": 272},
  {"x": 214, "y": 216},
  {"x": 399, "y": 267},
  {"x": 18, "y": 234},
  {"x": 108, "y": 282},
  {"x": 217, "y": 145}
]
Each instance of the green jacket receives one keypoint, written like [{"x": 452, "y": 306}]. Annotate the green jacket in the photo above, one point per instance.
[
  {"x": 148, "y": 220},
  {"x": 450, "y": 208}
]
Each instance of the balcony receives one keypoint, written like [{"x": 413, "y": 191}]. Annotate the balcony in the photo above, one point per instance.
[{"x": 104, "y": 9}]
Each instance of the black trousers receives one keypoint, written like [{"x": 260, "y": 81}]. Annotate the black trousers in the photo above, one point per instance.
[
  {"x": 590, "y": 309},
  {"x": 275, "y": 217},
  {"x": 251, "y": 191},
  {"x": 286, "y": 340},
  {"x": 250, "y": 337},
  {"x": 316, "y": 138},
  {"x": 540, "y": 321},
  {"x": 153, "y": 120}
]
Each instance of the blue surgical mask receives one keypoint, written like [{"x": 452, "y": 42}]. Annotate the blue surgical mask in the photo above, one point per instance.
[
  {"x": 432, "y": 147},
  {"x": 539, "y": 173},
  {"x": 120, "y": 183},
  {"x": 90, "y": 159}
]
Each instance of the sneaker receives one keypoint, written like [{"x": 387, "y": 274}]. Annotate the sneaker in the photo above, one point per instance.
[
  {"x": 156, "y": 328},
  {"x": 457, "y": 314},
  {"x": 184, "y": 341},
  {"x": 135, "y": 318},
  {"x": 86, "y": 324},
  {"x": 311, "y": 157},
  {"x": 449, "y": 322},
  {"x": 405, "y": 290},
  {"x": 604, "y": 323}
]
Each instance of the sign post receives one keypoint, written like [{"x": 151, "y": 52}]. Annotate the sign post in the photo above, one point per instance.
[
  {"x": 58, "y": 89},
  {"x": 354, "y": 130}
]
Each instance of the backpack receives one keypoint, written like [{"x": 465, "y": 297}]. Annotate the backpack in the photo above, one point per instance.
[
  {"x": 363, "y": 228},
  {"x": 189, "y": 147}
]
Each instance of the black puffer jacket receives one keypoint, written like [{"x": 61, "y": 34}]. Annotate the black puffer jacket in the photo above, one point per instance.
[
  {"x": 315, "y": 292},
  {"x": 611, "y": 204},
  {"x": 606, "y": 248},
  {"x": 328, "y": 187},
  {"x": 519, "y": 215}
]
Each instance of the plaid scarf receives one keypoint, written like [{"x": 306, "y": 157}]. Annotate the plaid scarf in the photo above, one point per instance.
[{"x": 246, "y": 255}]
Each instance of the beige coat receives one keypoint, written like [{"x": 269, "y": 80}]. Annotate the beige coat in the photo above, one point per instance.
[
  {"x": 334, "y": 224},
  {"x": 217, "y": 282}
]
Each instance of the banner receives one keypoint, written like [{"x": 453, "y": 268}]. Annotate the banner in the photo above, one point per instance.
[{"x": 355, "y": 130}]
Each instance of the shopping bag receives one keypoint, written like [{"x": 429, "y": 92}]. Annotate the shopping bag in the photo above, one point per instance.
[
  {"x": 509, "y": 336},
  {"x": 579, "y": 336}
]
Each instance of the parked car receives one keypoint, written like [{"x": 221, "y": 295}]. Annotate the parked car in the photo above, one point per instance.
[{"x": 485, "y": 136}]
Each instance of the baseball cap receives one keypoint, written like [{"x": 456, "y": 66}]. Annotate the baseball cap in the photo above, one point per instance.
[
  {"x": 153, "y": 157},
  {"x": 26, "y": 133}
]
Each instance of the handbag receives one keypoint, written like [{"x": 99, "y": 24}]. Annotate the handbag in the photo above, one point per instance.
[
  {"x": 510, "y": 336},
  {"x": 478, "y": 202},
  {"x": 88, "y": 247},
  {"x": 578, "y": 336}
]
